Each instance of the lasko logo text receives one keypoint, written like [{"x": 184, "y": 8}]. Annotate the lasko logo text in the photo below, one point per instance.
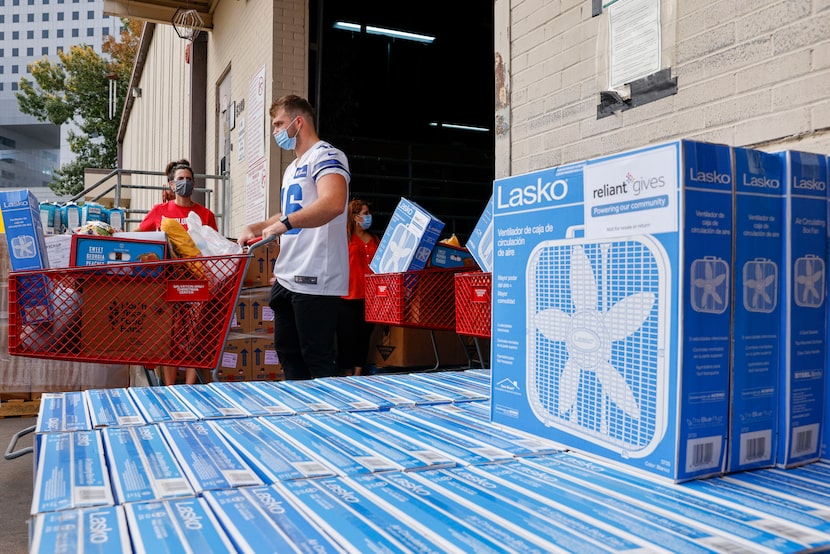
[
  {"x": 98, "y": 528},
  {"x": 533, "y": 194},
  {"x": 710, "y": 177},
  {"x": 761, "y": 182},
  {"x": 809, "y": 184},
  {"x": 407, "y": 208}
]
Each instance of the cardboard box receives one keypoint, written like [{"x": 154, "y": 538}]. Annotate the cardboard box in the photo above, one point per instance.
[
  {"x": 446, "y": 256},
  {"x": 804, "y": 313},
  {"x": 95, "y": 250},
  {"x": 409, "y": 347},
  {"x": 50, "y": 218},
  {"x": 480, "y": 243},
  {"x": 24, "y": 230},
  {"x": 611, "y": 316},
  {"x": 265, "y": 364},
  {"x": 759, "y": 222},
  {"x": 235, "y": 363},
  {"x": 253, "y": 314},
  {"x": 126, "y": 318},
  {"x": 58, "y": 249},
  {"x": 260, "y": 270},
  {"x": 408, "y": 240}
]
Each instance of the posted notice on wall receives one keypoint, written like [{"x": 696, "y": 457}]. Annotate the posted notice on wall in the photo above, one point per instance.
[{"x": 634, "y": 39}]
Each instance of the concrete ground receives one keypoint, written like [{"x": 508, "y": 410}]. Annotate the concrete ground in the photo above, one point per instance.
[{"x": 16, "y": 487}]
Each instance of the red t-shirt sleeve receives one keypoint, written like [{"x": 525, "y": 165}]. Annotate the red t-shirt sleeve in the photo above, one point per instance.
[{"x": 151, "y": 221}]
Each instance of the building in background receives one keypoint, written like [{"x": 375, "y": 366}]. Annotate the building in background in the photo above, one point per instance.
[{"x": 29, "y": 30}]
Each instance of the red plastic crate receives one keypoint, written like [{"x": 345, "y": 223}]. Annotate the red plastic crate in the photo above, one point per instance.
[
  {"x": 473, "y": 303},
  {"x": 422, "y": 298}
]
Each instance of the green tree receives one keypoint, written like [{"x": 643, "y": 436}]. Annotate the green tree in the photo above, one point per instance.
[{"x": 76, "y": 89}]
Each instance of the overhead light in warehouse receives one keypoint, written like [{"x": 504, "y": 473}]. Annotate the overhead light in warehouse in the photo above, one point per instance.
[
  {"x": 459, "y": 126},
  {"x": 373, "y": 30}
]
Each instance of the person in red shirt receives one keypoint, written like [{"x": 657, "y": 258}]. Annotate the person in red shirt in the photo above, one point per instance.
[
  {"x": 353, "y": 332},
  {"x": 180, "y": 180}
]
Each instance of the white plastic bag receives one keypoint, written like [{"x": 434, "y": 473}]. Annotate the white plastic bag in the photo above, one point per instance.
[{"x": 208, "y": 240}]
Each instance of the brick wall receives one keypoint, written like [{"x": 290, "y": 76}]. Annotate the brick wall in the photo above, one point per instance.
[{"x": 748, "y": 73}]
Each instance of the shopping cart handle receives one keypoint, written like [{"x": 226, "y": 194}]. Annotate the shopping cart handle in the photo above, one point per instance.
[{"x": 259, "y": 241}]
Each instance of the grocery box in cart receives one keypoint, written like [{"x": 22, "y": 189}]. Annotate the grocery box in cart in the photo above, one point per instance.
[
  {"x": 408, "y": 240},
  {"x": 611, "y": 312}
]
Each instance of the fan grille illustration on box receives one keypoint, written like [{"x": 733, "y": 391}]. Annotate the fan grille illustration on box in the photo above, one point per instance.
[{"x": 597, "y": 358}]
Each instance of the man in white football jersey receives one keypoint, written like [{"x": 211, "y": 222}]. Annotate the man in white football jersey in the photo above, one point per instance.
[{"x": 312, "y": 269}]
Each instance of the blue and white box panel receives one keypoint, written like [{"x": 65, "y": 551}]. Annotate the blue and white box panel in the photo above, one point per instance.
[
  {"x": 180, "y": 526},
  {"x": 250, "y": 397},
  {"x": 207, "y": 458},
  {"x": 101, "y": 530},
  {"x": 142, "y": 465},
  {"x": 207, "y": 403},
  {"x": 611, "y": 316},
  {"x": 759, "y": 226},
  {"x": 24, "y": 231},
  {"x": 408, "y": 240},
  {"x": 260, "y": 519},
  {"x": 158, "y": 404},
  {"x": 112, "y": 408},
  {"x": 267, "y": 451},
  {"x": 480, "y": 243},
  {"x": 804, "y": 309},
  {"x": 71, "y": 472}
]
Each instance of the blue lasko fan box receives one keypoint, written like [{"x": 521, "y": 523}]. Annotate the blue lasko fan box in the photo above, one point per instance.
[{"x": 611, "y": 313}]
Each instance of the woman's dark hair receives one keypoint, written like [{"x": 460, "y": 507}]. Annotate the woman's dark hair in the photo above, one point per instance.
[{"x": 172, "y": 167}]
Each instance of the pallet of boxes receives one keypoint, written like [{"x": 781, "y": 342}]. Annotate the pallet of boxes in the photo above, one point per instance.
[{"x": 249, "y": 353}]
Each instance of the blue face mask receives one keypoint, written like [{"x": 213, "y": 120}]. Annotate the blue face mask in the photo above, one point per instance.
[
  {"x": 367, "y": 222},
  {"x": 284, "y": 141},
  {"x": 184, "y": 187}
]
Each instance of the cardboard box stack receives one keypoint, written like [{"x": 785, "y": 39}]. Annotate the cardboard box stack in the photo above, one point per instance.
[
  {"x": 249, "y": 353},
  {"x": 665, "y": 308}
]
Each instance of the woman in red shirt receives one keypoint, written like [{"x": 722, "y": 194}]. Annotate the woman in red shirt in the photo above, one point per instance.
[
  {"x": 180, "y": 180},
  {"x": 353, "y": 332}
]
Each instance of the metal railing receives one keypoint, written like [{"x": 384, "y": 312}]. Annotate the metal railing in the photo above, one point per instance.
[{"x": 113, "y": 184}]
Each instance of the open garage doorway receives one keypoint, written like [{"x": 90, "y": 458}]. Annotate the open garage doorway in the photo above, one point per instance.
[{"x": 407, "y": 91}]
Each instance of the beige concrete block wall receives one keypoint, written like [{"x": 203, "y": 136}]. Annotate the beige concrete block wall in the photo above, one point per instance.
[
  {"x": 253, "y": 35},
  {"x": 749, "y": 74},
  {"x": 158, "y": 128}
]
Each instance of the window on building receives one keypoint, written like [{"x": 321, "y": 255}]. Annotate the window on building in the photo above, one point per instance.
[
  {"x": 15, "y": 69},
  {"x": 2, "y": 52},
  {"x": 59, "y": 49},
  {"x": 30, "y": 17},
  {"x": 44, "y": 33},
  {"x": 75, "y": 33},
  {"x": 60, "y": 16},
  {"x": 90, "y": 32},
  {"x": 30, "y": 35},
  {"x": 2, "y": 18},
  {"x": 60, "y": 33},
  {"x": 1, "y": 86},
  {"x": 45, "y": 16},
  {"x": 2, "y": 67},
  {"x": 16, "y": 18},
  {"x": 105, "y": 31},
  {"x": 76, "y": 16},
  {"x": 15, "y": 52},
  {"x": 30, "y": 51},
  {"x": 44, "y": 51},
  {"x": 15, "y": 35},
  {"x": 31, "y": 2},
  {"x": 90, "y": 14},
  {"x": 14, "y": 85}
]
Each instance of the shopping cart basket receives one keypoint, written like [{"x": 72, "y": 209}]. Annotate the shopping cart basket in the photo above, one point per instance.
[
  {"x": 423, "y": 299},
  {"x": 170, "y": 312}
]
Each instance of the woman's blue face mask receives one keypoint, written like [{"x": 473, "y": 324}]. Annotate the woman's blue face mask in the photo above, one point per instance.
[{"x": 366, "y": 222}]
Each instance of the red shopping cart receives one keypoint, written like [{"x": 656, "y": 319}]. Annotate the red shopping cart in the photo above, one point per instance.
[
  {"x": 423, "y": 299},
  {"x": 168, "y": 312},
  {"x": 473, "y": 307}
]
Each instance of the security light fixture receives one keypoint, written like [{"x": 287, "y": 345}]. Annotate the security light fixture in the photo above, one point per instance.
[{"x": 459, "y": 126}]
